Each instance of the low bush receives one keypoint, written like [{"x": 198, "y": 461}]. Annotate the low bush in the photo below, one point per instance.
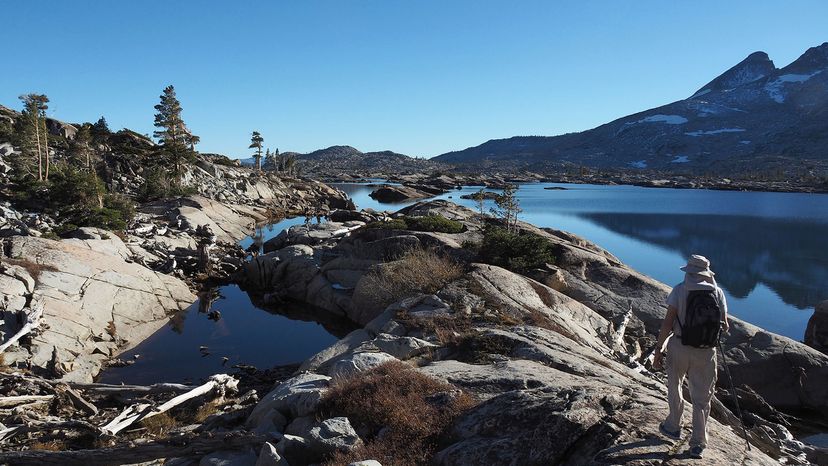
[
  {"x": 431, "y": 223},
  {"x": 412, "y": 410},
  {"x": 158, "y": 185},
  {"x": 417, "y": 271},
  {"x": 516, "y": 251},
  {"x": 393, "y": 224},
  {"x": 435, "y": 223}
]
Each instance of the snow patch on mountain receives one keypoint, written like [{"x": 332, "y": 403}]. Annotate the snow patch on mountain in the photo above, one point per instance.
[
  {"x": 669, "y": 119},
  {"x": 775, "y": 88},
  {"x": 700, "y": 93},
  {"x": 639, "y": 164},
  {"x": 714, "y": 131},
  {"x": 680, "y": 159}
]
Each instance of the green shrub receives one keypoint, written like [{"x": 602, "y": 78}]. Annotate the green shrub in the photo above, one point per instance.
[
  {"x": 158, "y": 185},
  {"x": 436, "y": 223},
  {"x": 393, "y": 224},
  {"x": 518, "y": 251}
]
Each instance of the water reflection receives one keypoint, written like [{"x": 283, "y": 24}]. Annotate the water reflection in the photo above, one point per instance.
[
  {"x": 785, "y": 255},
  {"x": 243, "y": 329}
]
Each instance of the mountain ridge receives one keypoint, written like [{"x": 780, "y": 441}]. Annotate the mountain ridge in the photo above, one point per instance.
[{"x": 752, "y": 115}]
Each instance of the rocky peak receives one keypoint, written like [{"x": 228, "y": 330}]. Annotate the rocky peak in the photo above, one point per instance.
[
  {"x": 813, "y": 60},
  {"x": 334, "y": 151},
  {"x": 756, "y": 66}
]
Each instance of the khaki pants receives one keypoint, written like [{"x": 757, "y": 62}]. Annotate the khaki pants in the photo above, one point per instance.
[{"x": 699, "y": 366}]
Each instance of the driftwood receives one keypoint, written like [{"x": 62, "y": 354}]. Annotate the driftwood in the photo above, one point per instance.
[
  {"x": 136, "y": 453},
  {"x": 33, "y": 317},
  {"x": 33, "y": 425},
  {"x": 219, "y": 382},
  {"x": 11, "y": 401}
]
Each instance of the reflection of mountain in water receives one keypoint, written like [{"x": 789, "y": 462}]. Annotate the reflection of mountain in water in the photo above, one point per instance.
[{"x": 787, "y": 256}]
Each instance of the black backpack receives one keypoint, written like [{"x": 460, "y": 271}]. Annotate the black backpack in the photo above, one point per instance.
[{"x": 702, "y": 319}]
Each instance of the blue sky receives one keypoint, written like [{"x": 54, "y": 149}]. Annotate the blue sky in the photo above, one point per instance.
[{"x": 418, "y": 77}]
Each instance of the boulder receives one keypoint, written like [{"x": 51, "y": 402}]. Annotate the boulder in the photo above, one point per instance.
[
  {"x": 390, "y": 194},
  {"x": 816, "y": 334},
  {"x": 298, "y": 396},
  {"x": 269, "y": 456},
  {"x": 229, "y": 458},
  {"x": 358, "y": 362},
  {"x": 332, "y": 435}
]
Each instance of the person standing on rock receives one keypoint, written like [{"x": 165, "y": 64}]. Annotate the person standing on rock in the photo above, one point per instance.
[{"x": 696, "y": 312}]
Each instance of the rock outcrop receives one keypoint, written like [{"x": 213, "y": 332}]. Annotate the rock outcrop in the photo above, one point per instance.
[
  {"x": 557, "y": 357},
  {"x": 95, "y": 303},
  {"x": 816, "y": 334}
]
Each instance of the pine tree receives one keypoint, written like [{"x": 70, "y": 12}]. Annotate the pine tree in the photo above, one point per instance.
[
  {"x": 508, "y": 207},
  {"x": 34, "y": 112},
  {"x": 173, "y": 135},
  {"x": 100, "y": 128},
  {"x": 479, "y": 198},
  {"x": 81, "y": 150},
  {"x": 271, "y": 159},
  {"x": 256, "y": 141}
]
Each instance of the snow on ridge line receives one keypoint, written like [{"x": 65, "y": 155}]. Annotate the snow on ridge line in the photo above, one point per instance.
[
  {"x": 715, "y": 131},
  {"x": 669, "y": 119},
  {"x": 774, "y": 88}
]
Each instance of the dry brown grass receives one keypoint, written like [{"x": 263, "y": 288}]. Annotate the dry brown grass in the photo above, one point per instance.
[
  {"x": 49, "y": 445},
  {"x": 412, "y": 409},
  {"x": 447, "y": 328},
  {"x": 34, "y": 268},
  {"x": 417, "y": 271},
  {"x": 159, "y": 424}
]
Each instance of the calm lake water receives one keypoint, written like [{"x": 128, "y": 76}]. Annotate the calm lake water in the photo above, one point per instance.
[{"x": 767, "y": 249}]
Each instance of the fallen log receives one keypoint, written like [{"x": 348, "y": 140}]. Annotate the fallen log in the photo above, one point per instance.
[
  {"x": 181, "y": 447},
  {"x": 10, "y": 401},
  {"x": 218, "y": 382},
  {"x": 32, "y": 321}
]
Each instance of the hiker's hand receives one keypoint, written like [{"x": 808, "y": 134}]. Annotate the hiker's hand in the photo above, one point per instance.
[{"x": 658, "y": 361}]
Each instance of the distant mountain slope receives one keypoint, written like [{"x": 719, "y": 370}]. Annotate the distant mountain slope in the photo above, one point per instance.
[
  {"x": 350, "y": 160},
  {"x": 752, "y": 116}
]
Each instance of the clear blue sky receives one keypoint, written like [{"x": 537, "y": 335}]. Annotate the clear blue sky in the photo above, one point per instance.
[{"x": 419, "y": 77}]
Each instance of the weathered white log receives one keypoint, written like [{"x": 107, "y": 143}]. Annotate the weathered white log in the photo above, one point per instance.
[
  {"x": 135, "y": 453},
  {"x": 33, "y": 317},
  {"x": 617, "y": 337},
  {"x": 219, "y": 383},
  {"x": 104, "y": 388},
  {"x": 9, "y": 401}
]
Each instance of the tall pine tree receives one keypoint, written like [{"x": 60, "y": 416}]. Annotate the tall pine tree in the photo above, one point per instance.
[
  {"x": 173, "y": 136},
  {"x": 34, "y": 113},
  {"x": 256, "y": 141}
]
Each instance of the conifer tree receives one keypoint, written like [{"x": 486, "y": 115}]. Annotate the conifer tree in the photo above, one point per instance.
[
  {"x": 100, "y": 128},
  {"x": 173, "y": 135},
  {"x": 34, "y": 112},
  {"x": 256, "y": 141},
  {"x": 508, "y": 207},
  {"x": 81, "y": 149}
]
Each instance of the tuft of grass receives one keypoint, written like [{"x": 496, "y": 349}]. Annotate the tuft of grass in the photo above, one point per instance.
[
  {"x": 418, "y": 271},
  {"x": 34, "y": 268},
  {"x": 159, "y": 424},
  {"x": 412, "y": 410},
  {"x": 50, "y": 445}
]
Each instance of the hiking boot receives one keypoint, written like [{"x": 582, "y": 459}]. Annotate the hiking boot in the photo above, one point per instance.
[
  {"x": 696, "y": 452},
  {"x": 673, "y": 435}
]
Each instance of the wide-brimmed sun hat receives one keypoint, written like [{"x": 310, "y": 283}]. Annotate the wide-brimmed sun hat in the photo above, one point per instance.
[{"x": 698, "y": 265}]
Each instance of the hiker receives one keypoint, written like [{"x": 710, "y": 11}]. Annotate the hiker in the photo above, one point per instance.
[{"x": 696, "y": 312}]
